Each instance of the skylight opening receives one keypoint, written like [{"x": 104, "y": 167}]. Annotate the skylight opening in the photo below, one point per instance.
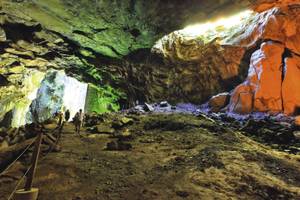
[{"x": 214, "y": 26}]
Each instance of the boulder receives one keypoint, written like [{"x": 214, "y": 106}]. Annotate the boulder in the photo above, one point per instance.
[
  {"x": 164, "y": 104},
  {"x": 124, "y": 135},
  {"x": 126, "y": 121},
  {"x": 103, "y": 128},
  {"x": 118, "y": 146},
  {"x": 120, "y": 123},
  {"x": 241, "y": 99},
  {"x": 297, "y": 135},
  {"x": 4, "y": 144},
  {"x": 217, "y": 102},
  {"x": 148, "y": 107},
  {"x": 297, "y": 121}
]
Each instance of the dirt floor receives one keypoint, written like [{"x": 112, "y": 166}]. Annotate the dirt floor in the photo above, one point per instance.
[{"x": 172, "y": 157}]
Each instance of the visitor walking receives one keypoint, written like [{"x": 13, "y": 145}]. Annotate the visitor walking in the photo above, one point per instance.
[
  {"x": 60, "y": 119},
  {"x": 67, "y": 115},
  {"x": 78, "y": 121},
  {"x": 60, "y": 123}
]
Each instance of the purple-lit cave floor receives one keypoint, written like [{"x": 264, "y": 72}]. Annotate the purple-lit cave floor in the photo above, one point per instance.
[{"x": 188, "y": 108}]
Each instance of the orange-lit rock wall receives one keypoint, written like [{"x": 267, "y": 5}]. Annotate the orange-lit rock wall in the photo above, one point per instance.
[
  {"x": 262, "y": 89},
  {"x": 273, "y": 81},
  {"x": 291, "y": 85}
]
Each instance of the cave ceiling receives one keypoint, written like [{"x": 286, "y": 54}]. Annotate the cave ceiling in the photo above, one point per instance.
[{"x": 116, "y": 28}]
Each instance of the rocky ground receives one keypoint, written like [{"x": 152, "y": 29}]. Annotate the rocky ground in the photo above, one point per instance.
[{"x": 161, "y": 156}]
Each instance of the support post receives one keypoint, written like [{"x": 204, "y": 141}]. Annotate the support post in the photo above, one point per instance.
[{"x": 34, "y": 161}]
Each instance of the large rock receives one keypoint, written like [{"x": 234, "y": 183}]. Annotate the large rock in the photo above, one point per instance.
[
  {"x": 219, "y": 101},
  {"x": 262, "y": 89},
  {"x": 17, "y": 97}
]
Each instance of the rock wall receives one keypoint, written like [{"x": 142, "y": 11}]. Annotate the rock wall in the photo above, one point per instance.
[
  {"x": 266, "y": 44},
  {"x": 290, "y": 85},
  {"x": 272, "y": 83},
  {"x": 262, "y": 89},
  {"x": 22, "y": 106},
  {"x": 28, "y": 52}
]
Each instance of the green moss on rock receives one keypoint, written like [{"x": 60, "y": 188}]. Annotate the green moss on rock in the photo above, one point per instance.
[{"x": 101, "y": 100}]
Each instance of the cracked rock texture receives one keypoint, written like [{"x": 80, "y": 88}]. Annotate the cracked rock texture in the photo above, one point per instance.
[
  {"x": 262, "y": 89},
  {"x": 274, "y": 69}
]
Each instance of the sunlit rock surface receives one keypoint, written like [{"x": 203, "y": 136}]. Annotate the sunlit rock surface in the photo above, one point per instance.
[
  {"x": 219, "y": 101},
  {"x": 204, "y": 59},
  {"x": 22, "y": 106}
]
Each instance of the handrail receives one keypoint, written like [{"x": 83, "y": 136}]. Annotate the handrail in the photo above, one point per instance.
[
  {"x": 27, "y": 171},
  {"x": 13, "y": 162}
]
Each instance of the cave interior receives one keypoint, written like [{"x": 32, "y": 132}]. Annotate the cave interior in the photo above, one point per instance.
[{"x": 139, "y": 99}]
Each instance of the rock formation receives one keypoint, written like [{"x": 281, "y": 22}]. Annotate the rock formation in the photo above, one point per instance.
[
  {"x": 112, "y": 54},
  {"x": 264, "y": 43},
  {"x": 273, "y": 72},
  {"x": 290, "y": 85},
  {"x": 262, "y": 89}
]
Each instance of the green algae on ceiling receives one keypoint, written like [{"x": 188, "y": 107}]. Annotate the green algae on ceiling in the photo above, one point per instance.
[
  {"x": 115, "y": 28},
  {"x": 110, "y": 31}
]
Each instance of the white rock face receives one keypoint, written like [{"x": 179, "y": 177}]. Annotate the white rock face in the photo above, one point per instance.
[{"x": 74, "y": 95}]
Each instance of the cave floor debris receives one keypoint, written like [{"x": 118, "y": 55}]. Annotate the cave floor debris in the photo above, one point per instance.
[{"x": 174, "y": 156}]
